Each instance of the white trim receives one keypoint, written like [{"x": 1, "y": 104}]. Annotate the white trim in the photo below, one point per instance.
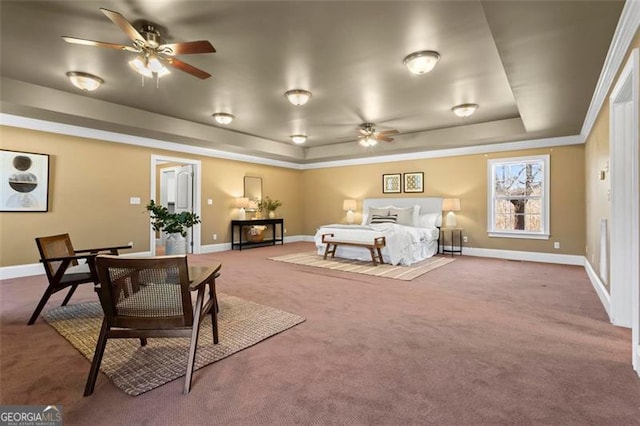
[
  {"x": 67, "y": 129},
  {"x": 529, "y": 256},
  {"x": 157, "y": 159},
  {"x": 214, "y": 248},
  {"x": 453, "y": 152},
  {"x": 520, "y": 235},
  {"x": 622, "y": 38},
  {"x": 599, "y": 287},
  {"x": 31, "y": 269},
  {"x": 546, "y": 198},
  {"x": 103, "y": 135}
]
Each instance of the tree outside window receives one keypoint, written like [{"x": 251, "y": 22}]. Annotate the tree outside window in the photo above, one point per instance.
[{"x": 518, "y": 204}]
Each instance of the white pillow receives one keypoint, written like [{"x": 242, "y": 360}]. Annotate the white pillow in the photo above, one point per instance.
[
  {"x": 430, "y": 220},
  {"x": 408, "y": 216},
  {"x": 380, "y": 211}
]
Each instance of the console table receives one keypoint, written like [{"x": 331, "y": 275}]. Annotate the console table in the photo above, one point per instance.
[{"x": 238, "y": 225}]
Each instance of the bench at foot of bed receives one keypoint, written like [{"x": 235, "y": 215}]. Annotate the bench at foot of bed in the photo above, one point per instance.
[{"x": 374, "y": 248}]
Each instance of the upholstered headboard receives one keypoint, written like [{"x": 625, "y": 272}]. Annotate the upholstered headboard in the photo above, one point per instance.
[{"x": 427, "y": 204}]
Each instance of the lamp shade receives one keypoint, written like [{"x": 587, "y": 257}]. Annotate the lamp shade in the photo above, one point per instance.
[
  {"x": 242, "y": 202},
  {"x": 451, "y": 204},
  {"x": 349, "y": 205}
]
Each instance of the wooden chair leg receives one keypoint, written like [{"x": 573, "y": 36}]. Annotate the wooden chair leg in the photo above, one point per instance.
[
  {"x": 97, "y": 359},
  {"x": 43, "y": 301},
  {"x": 193, "y": 345},
  {"x": 68, "y": 296}
]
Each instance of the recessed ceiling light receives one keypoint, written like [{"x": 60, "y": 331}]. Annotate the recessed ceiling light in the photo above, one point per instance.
[
  {"x": 422, "y": 62},
  {"x": 223, "y": 117},
  {"x": 298, "y": 138},
  {"x": 85, "y": 81},
  {"x": 298, "y": 97},
  {"x": 464, "y": 110}
]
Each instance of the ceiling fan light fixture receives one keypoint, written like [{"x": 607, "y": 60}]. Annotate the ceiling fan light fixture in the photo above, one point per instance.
[
  {"x": 298, "y": 97},
  {"x": 422, "y": 62},
  {"x": 85, "y": 81},
  {"x": 368, "y": 141},
  {"x": 298, "y": 139},
  {"x": 223, "y": 118},
  {"x": 464, "y": 110},
  {"x": 139, "y": 65}
]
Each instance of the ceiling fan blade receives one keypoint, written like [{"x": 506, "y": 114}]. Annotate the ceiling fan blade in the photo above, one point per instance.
[
  {"x": 86, "y": 42},
  {"x": 187, "y": 48},
  {"x": 389, "y": 132},
  {"x": 125, "y": 26},
  {"x": 190, "y": 69},
  {"x": 364, "y": 132},
  {"x": 383, "y": 138}
]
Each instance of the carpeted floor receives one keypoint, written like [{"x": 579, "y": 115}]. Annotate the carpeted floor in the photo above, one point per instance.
[
  {"x": 397, "y": 272},
  {"x": 136, "y": 369},
  {"x": 475, "y": 342}
]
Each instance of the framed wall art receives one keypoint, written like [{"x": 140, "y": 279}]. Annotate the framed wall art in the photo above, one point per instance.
[
  {"x": 413, "y": 182},
  {"x": 24, "y": 182},
  {"x": 392, "y": 183}
]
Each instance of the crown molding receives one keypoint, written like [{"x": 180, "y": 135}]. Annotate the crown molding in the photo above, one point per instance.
[{"x": 622, "y": 38}]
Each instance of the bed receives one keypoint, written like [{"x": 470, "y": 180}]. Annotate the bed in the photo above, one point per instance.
[{"x": 411, "y": 227}]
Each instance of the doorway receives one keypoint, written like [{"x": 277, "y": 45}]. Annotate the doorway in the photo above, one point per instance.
[
  {"x": 625, "y": 211},
  {"x": 176, "y": 183}
]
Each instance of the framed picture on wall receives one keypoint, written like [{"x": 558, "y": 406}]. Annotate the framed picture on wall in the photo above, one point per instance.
[
  {"x": 391, "y": 184},
  {"x": 24, "y": 182},
  {"x": 413, "y": 182}
]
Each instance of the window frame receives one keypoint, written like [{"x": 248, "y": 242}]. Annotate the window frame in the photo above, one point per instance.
[{"x": 545, "y": 198}]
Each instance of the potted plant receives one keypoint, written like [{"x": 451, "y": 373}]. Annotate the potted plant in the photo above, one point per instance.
[
  {"x": 174, "y": 224},
  {"x": 269, "y": 205}
]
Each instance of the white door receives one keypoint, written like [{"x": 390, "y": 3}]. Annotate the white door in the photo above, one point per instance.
[{"x": 184, "y": 197}]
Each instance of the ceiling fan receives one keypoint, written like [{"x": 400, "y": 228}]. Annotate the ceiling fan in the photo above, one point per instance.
[
  {"x": 369, "y": 136},
  {"x": 152, "y": 50}
]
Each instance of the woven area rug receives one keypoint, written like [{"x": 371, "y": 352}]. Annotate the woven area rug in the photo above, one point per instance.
[
  {"x": 137, "y": 369},
  {"x": 398, "y": 272}
]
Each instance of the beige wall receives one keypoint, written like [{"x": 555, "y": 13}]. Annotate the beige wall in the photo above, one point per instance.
[
  {"x": 91, "y": 182},
  {"x": 464, "y": 177},
  {"x": 597, "y": 159}
]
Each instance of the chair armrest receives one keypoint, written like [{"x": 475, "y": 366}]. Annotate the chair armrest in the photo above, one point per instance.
[
  {"x": 76, "y": 257},
  {"x": 210, "y": 274},
  {"x": 111, "y": 249}
]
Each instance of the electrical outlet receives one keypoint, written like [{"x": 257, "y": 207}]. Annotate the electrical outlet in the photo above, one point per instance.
[
  {"x": 130, "y": 243},
  {"x": 465, "y": 239},
  {"x": 215, "y": 237},
  {"x": 556, "y": 245},
  {"x": 210, "y": 202},
  {"x": 285, "y": 230}
]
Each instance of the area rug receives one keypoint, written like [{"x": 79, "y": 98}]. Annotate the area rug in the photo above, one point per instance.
[
  {"x": 397, "y": 272},
  {"x": 137, "y": 369}
]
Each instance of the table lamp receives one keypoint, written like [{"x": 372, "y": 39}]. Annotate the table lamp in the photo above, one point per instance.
[
  {"x": 452, "y": 205},
  {"x": 242, "y": 203},
  {"x": 349, "y": 206}
]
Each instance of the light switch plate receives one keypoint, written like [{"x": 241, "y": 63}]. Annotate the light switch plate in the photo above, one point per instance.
[
  {"x": 210, "y": 201},
  {"x": 134, "y": 200}
]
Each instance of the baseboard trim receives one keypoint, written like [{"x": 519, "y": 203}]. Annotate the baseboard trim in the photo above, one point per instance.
[
  {"x": 599, "y": 287},
  {"x": 28, "y": 270},
  {"x": 212, "y": 248},
  {"x": 530, "y": 256}
]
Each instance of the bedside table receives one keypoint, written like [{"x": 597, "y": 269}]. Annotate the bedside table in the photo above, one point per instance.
[{"x": 452, "y": 232}]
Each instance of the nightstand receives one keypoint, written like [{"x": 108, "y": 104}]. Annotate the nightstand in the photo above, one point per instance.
[{"x": 452, "y": 233}]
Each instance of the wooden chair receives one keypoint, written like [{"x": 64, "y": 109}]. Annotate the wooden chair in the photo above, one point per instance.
[
  {"x": 151, "y": 297},
  {"x": 61, "y": 266}
]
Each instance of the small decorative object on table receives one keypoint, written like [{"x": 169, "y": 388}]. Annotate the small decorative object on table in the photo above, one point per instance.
[
  {"x": 174, "y": 224},
  {"x": 270, "y": 206},
  {"x": 254, "y": 233}
]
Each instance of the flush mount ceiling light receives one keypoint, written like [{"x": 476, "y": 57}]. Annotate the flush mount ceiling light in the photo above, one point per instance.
[
  {"x": 223, "y": 117},
  {"x": 464, "y": 110},
  {"x": 298, "y": 138},
  {"x": 422, "y": 62},
  {"x": 298, "y": 97},
  {"x": 85, "y": 81}
]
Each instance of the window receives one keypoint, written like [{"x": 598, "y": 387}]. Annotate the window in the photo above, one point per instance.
[{"x": 518, "y": 205}]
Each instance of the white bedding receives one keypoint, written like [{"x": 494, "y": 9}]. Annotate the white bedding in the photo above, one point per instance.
[{"x": 405, "y": 245}]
